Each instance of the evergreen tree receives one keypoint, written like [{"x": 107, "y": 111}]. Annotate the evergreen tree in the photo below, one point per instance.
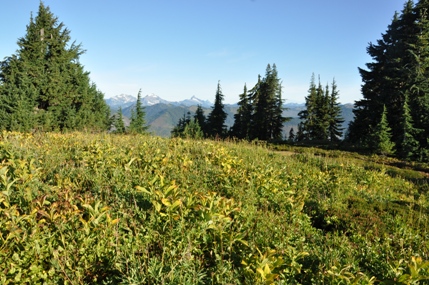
[
  {"x": 243, "y": 117},
  {"x": 320, "y": 130},
  {"x": 254, "y": 97},
  {"x": 216, "y": 120},
  {"x": 278, "y": 118},
  {"x": 381, "y": 138},
  {"x": 179, "y": 129},
  {"x": 193, "y": 130},
  {"x": 335, "y": 131},
  {"x": 138, "y": 122},
  {"x": 400, "y": 69},
  {"x": 266, "y": 96},
  {"x": 408, "y": 146},
  {"x": 300, "y": 135},
  {"x": 44, "y": 86},
  {"x": 313, "y": 117},
  {"x": 118, "y": 122},
  {"x": 291, "y": 137},
  {"x": 200, "y": 118}
]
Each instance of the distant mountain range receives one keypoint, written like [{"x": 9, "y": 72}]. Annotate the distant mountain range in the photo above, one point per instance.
[
  {"x": 163, "y": 115},
  {"x": 126, "y": 101}
]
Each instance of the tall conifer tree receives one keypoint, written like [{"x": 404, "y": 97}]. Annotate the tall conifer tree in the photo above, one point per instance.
[
  {"x": 138, "y": 121},
  {"x": 200, "y": 118},
  {"x": 44, "y": 86},
  {"x": 216, "y": 120},
  {"x": 243, "y": 117},
  {"x": 400, "y": 69},
  {"x": 382, "y": 136},
  {"x": 118, "y": 122},
  {"x": 335, "y": 131}
]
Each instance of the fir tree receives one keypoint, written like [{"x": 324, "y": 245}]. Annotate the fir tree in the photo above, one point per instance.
[
  {"x": 312, "y": 127},
  {"x": 200, "y": 118},
  {"x": 193, "y": 130},
  {"x": 118, "y": 122},
  {"x": 44, "y": 86},
  {"x": 400, "y": 69},
  {"x": 335, "y": 131},
  {"x": 216, "y": 120},
  {"x": 381, "y": 138},
  {"x": 179, "y": 129},
  {"x": 243, "y": 117},
  {"x": 408, "y": 145},
  {"x": 291, "y": 137},
  {"x": 138, "y": 122},
  {"x": 266, "y": 96}
]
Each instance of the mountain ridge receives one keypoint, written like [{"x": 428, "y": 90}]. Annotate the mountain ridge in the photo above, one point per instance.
[{"x": 163, "y": 115}]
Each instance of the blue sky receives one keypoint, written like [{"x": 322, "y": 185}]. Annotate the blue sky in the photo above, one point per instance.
[{"x": 181, "y": 48}]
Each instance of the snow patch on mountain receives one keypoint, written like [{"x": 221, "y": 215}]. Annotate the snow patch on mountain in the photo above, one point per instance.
[
  {"x": 124, "y": 101},
  {"x": 152, "y": 99}
]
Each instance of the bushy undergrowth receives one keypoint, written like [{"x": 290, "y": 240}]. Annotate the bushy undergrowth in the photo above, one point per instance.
[{"x": 109, "y": 209}]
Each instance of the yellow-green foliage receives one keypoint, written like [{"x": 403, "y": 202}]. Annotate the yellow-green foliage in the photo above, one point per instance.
[{"x": 108, "y": 209}]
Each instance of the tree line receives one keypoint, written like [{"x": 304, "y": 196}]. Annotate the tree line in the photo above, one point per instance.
[
  {"x": 260, "y": 114},
  {"x": 391, "y": 119}
]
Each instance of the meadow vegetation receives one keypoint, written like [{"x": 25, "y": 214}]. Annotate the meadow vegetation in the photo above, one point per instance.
[{"x": 83, "y": 208}]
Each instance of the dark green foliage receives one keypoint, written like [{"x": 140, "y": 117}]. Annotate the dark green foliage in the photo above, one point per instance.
[
  {"x": 138, "y": 122},
  {"x": 321, "y": 120},
  {"x": 193, "y": 130},
  {"x": 291, "y": 137},
  {"x": 189, "y": 128},
  {"x": 118, "y": 122},
  {"x": 266, "y": 98},
  {"x": 381, "y": 138},
  {"x": 216, "y": 120},
  {"x": 200, "y": 118},
  {"x": 408, "y": 145},
  {"x": 335, "y": 131},
  {"x": 44, "y": 86},
  {"x": 242, "y": 119},
  {"x": 179, "y": 129},
  {"x": 399, "y": 73},
  {"x": 260, "y": 112}
]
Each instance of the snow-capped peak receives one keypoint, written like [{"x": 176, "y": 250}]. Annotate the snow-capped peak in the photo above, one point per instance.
[{"x": 152, "y": 99}]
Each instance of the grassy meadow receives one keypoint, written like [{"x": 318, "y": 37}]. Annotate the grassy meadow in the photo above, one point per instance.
[{"x": 85, "y": 208}]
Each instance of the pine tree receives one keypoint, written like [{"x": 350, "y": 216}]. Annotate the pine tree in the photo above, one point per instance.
[
  {"x": 243, "y": 117},
  {"x": 400, "y": 69},
  {"x": 118, "y": 122},
  {"x": 310, "y": 128},
  {"x": 256, "y": 117},
  {"x": 138, "y": 122},
  {"x": 408, "y": 146},
  {"x": 320, "y": 129},
  {"x": 179, "y": 129},
  {"x": 266, "y": 96},
  {"x": 278, "y": 109},
  {"x": 201, "y": 119},
  {"x": 381, "y": 138},
  {"x": 44, "y": 86},
  {"x": 216, "y": 120},
  {"x": 193, "y": 130},
  {"x": 335, "y": 131},
  {"x": 291, "y": 137}
]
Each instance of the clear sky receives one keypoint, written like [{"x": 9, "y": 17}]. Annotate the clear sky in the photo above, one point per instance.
[{"x": 181, "y": 48}]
